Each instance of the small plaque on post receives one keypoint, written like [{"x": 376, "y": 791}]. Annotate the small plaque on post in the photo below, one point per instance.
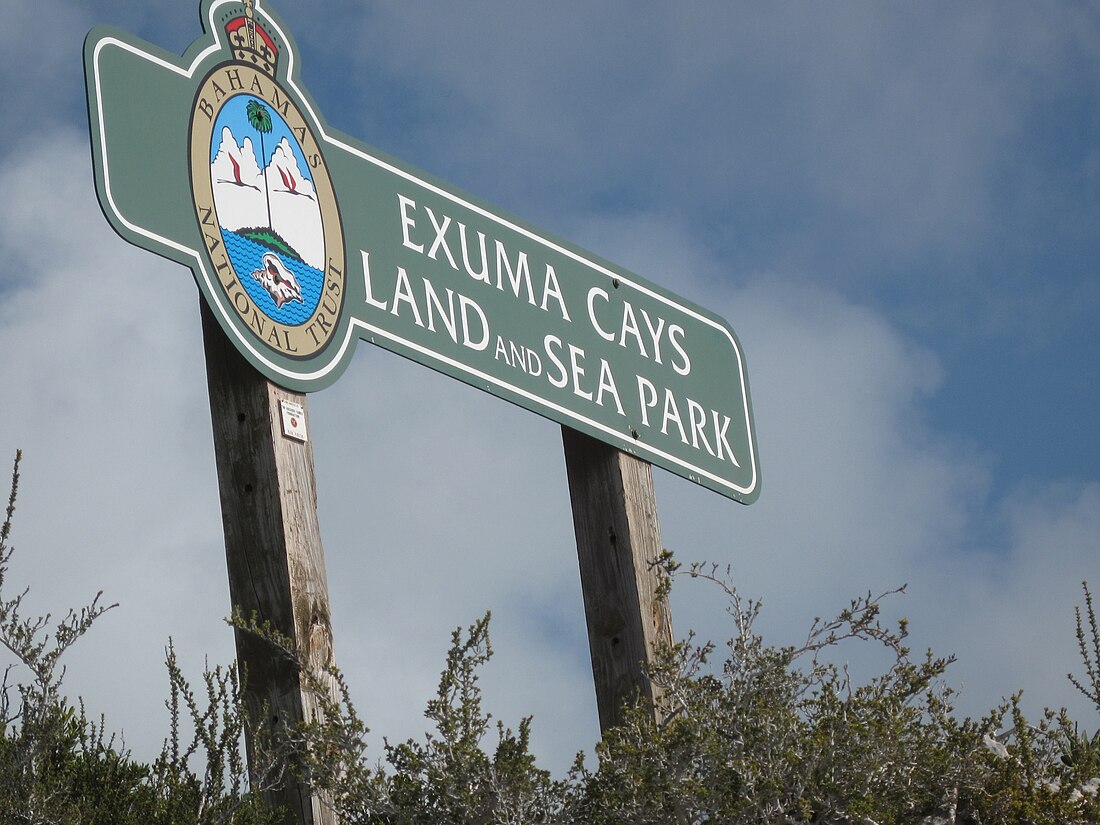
[{"x": 294, "y": 420}]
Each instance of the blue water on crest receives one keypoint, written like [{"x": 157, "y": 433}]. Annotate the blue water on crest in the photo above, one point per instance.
[{"x": 246, "y": 255}]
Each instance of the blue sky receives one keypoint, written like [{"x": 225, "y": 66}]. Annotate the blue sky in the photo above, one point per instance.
[
  {"x": 233, "y": 115},
  {"x": 895, "y": 206}
]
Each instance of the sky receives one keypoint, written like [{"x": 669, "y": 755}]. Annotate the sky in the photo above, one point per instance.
[{"x": 895, "y": 206}]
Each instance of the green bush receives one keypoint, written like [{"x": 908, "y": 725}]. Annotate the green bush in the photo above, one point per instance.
[
  {"x": 766, "y": 735},
  {"x": 747, "y": 733},
  {"x": 58, "y": 767},
  {"x": 777, "y": 735}
]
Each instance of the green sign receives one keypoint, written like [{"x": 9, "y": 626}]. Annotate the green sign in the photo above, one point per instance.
[{"x": 303, "y": 240}]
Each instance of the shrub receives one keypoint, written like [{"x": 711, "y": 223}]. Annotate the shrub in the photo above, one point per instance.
[
  {"x": 745, "y": 733},
  {"x": 58, "y": 766},
  {"x": 767, "y": 735}
]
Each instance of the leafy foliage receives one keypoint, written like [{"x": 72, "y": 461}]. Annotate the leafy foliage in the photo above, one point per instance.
[
  {"x": 58, "y": 766},
  {"x": 446, "y": 778},
  {"x": 744, "y": 733},
  {"x": 1089, "y": 645},
  {"x": 259, "y": 118},
  {"x": 766, "y": 735},
  {"x": 777, "y": 735}
]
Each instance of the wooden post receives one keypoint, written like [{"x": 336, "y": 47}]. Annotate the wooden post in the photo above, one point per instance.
[
  {"x": 618, "y": 538},
  {"x": 272, "y": 545}
]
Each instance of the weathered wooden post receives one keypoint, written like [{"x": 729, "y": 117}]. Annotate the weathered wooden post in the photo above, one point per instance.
[
  {"x": 618, "y": 540},
  {"x": 272, "y": 546}
]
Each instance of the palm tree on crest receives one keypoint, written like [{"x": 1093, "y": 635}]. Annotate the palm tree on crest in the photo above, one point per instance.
[{"x": 259, "y": 118}]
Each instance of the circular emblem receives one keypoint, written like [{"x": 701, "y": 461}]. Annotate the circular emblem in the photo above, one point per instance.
[{"x": 266, "y": 208}]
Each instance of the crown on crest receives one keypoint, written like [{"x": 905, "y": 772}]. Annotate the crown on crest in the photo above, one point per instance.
[{"x": 250, "y": 43}]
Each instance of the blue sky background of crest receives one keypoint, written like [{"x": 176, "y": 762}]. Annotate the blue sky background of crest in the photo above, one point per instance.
[{"x": 896, "y": 208}]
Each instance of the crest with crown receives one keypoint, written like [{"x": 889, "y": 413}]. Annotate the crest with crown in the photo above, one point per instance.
[{"x": 250, "y": 43}]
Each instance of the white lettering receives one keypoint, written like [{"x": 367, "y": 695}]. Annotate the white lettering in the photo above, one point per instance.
[
  {"x": 654, "y": 334},
  {"x": 482, "y": 275},
  {"x": 607, "y": 383},
  {"x": 551, "y": 288},
  {"x": 402, "y": 293},
  {"x": 720, "y": 437},
  {"x": 465, "y": 304},
  {"x": 698, "y": 418},
  {"x": 522, "y": 274},
  {"x": 366, "y": 282},
  {"x": 592, "y": 293},
  {"x": 672, "y": 413},
  {"x": 446, "y": 316},
  {"x": 630, "y": 324},
  {"x": 440, "y": 237},
  {"x": 673, "y": 331},
  {"x": 576, "y": 355},
  {"x": 645, "y": 388},
  {"x": 408, "y": 223},
  {"x": 563, "y": 377}
]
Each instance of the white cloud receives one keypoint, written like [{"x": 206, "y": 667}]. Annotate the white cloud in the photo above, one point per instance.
[
  {"x": 860, "y": 493},
  {"x": 104, "y": 391},
  {"x": 238, "y": 183}
]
